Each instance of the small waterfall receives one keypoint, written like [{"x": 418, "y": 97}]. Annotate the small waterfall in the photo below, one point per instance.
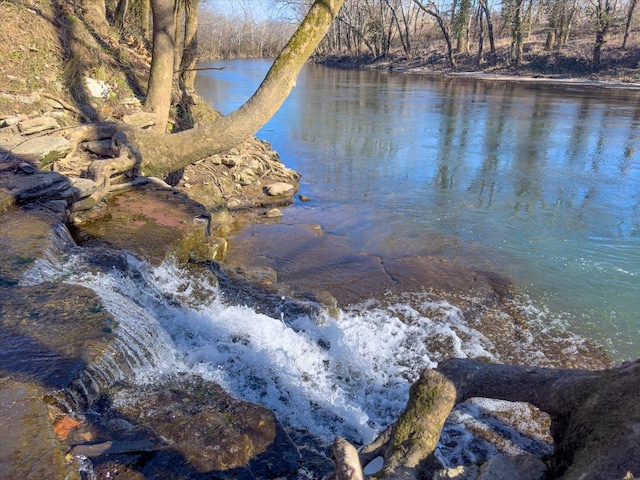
[
  {"x": 140, "y": 347},
  {"x": 346, "y": 376}
]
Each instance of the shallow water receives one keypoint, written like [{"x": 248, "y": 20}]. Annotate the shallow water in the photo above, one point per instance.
[{"x": 539, "y": 183}]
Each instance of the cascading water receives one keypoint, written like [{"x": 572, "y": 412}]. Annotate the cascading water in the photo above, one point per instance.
[{"x": 346, "y": 376}]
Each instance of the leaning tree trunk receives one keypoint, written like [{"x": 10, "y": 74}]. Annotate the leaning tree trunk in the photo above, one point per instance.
[
  {"x": 157, "y": 153},
  {"x": 595, "y": 421},
  {"x": 432, "y": 9}
]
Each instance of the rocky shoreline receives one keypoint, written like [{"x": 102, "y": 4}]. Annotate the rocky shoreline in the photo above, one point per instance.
[
  {"x": 626, "y": 78},
  {"x": 57, "y": 404}
]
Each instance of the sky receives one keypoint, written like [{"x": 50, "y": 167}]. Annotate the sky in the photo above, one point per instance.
[{"x": 256, "y": 9}]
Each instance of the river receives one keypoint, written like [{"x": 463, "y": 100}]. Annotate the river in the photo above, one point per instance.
[{"x": 538, "y": 182}]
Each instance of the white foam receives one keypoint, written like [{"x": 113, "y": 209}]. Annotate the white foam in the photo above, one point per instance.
[{"x": 347, "y": 376}]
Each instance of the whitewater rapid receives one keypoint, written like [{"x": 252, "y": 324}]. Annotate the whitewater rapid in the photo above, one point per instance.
[{"x": 348, "y": 376}]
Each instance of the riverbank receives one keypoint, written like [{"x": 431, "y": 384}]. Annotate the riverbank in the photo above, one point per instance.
[{"x": 571, "y": 66}]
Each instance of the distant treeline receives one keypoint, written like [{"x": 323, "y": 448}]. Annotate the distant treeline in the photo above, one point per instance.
[
  {"x": 222, "y": 37},
  {"x": 410, "y": 28},
  {"x": 379, "y": 28}
]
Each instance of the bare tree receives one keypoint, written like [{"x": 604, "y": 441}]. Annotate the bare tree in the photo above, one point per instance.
[
  {"x": 402, "y": 21},
  {"x": 603, "y": 18},
  {"x": 461, "y": 25},
  {"x": 145, "y": 16},
  {"x": 120, "y": 15},
  {"x": 492, "y": 44},
  {"x": 161, "y": 76},
  {"x": 233, "y": 37},
  {"x": 627, "y": 26},
  {"x": 156, "y": 153},
  {"x": 445, "y": 26},
  {"x": 190, "y": 51},
  {"x": 517, "y": 27},
  {"x": 560, "y": 15}
]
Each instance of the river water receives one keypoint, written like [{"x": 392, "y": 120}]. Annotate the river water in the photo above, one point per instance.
[{"x": 538, "y": 182}]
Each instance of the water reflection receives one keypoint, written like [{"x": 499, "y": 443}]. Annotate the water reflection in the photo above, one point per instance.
[{"x": 542, "y": 182}]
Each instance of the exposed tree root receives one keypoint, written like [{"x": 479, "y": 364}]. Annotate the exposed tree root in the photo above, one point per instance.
[{"x": 595, "y": 421}]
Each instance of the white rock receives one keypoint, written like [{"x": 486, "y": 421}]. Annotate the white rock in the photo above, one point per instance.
[
  {"x": 279, "y": 188},
  {"x": 14, "y": 120},
  {"x": 140, "y": 119},
  {"x": 84, "y": 186},
  {"x": 461, "y": 472},
  {"x": 97, "y": 88},
  {"x": 273, "y": 213}
]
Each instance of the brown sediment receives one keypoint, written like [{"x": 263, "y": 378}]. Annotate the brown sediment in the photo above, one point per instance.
[{"x": 305, "y": 262}]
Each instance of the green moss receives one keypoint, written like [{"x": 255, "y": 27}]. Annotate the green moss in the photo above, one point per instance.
[
  {"x": 421, "y": 404},
  {"x": 51, "y": 157},
  {"x": 196, "y": 247}
]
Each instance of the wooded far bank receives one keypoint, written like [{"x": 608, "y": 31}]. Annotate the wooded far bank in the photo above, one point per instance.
[{"x": 577, "y": 38}]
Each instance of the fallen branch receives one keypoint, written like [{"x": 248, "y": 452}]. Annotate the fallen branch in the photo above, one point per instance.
[
  {"x": 198, "y": 69},
  {"x": 66, "y": 106},
  {"x": 345, "y": 457},
  {"x": 114, "y": 448}
]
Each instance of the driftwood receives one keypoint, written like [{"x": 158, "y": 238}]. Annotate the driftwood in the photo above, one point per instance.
[{"x": 595, "y": 420}]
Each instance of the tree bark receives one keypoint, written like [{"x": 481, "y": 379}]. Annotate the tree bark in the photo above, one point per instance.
[
  {"x": 145, "y": 16},
  {"x": 595, "y": 421},
  {"x": 627, "y": 25},
  {"x": 120, "y": 15},
  {"x": 603, "y": 19},
  {"x": 161, "y": 76},
  {"x": 492, "y": 44},
  {"x": 95, "y": 13},
  {"x": 517, "y": 43},
  {"x": 179, "y": 9}
]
